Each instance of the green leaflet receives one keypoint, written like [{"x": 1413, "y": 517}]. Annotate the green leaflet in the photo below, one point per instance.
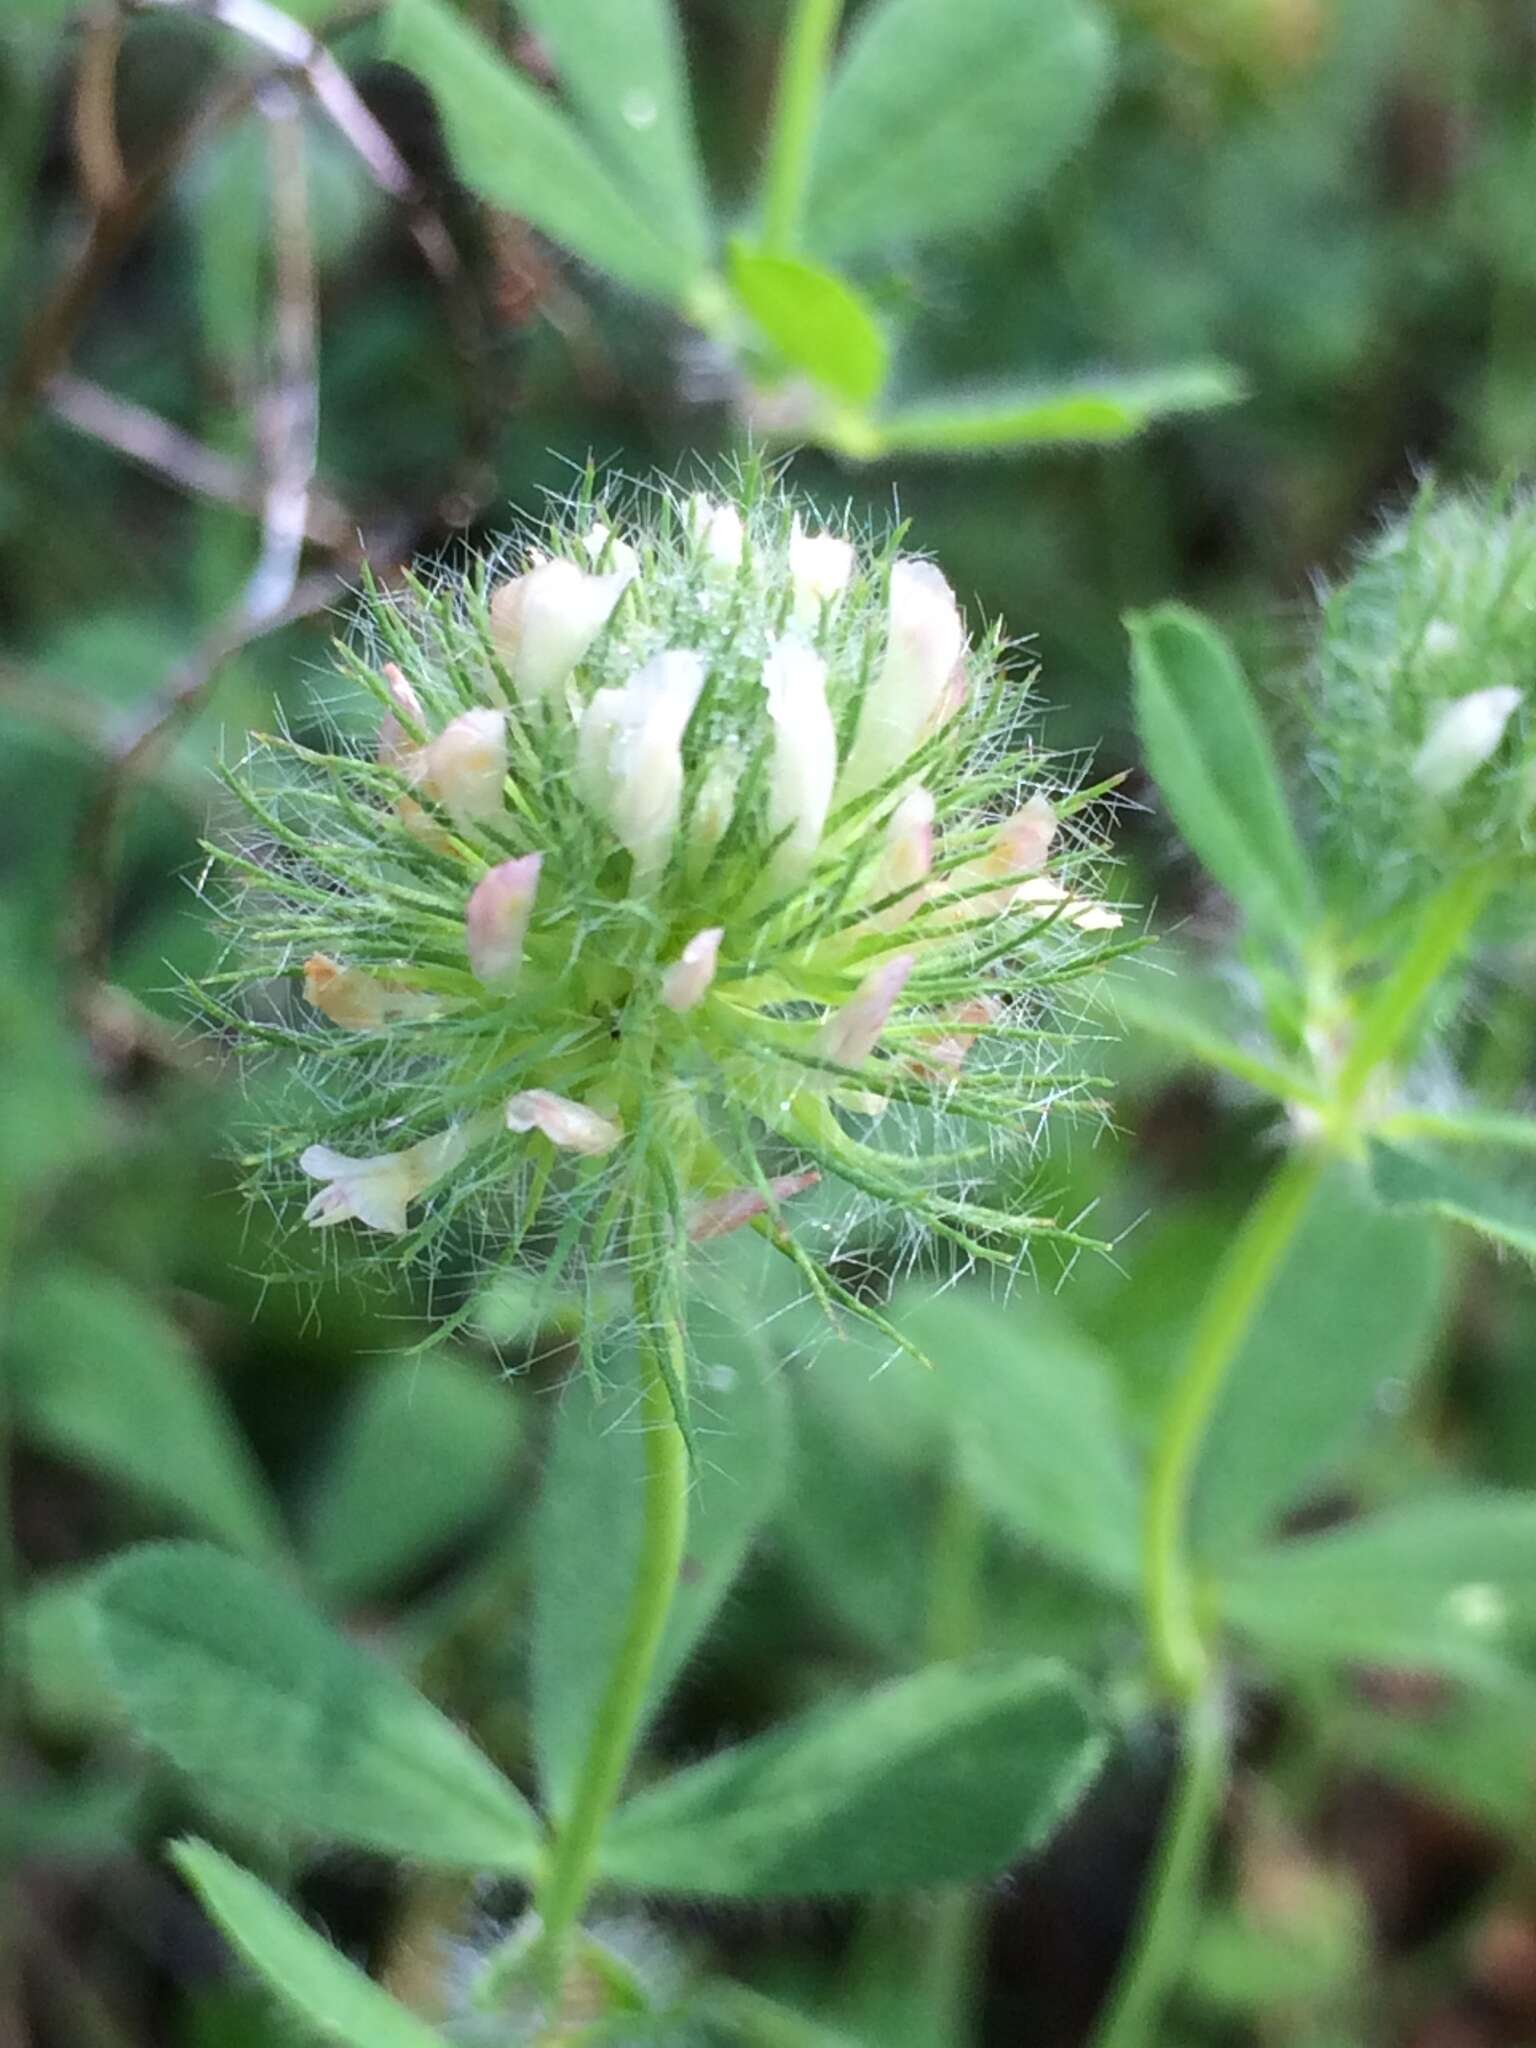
[
  {"x": 621, "y": 65},
  {"x": 424, "y": 1453},
  {"x": 935, "y": 1779},
  {"x": 1096, "y": 411},
  {"x": 101, "y": 1376},
  {"x": 1345, "y": 1332},
  {"x": 518, "y": 150},
  {"x": 1039, "y": 1424},
  {"x": 1494, "y": 1207},
  {"x": 943, "y": 114},
  {"x": 1211, "y": 759},
  {"x": 1436, "y": 1582},
  {"x": 308, "y": 1977},
  {"x": 272, "y": 1713},
  {"x": 816, "y": 321}
]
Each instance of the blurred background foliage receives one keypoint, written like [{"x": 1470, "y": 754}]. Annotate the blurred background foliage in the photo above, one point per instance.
[{"x": 1333, "y": 198}]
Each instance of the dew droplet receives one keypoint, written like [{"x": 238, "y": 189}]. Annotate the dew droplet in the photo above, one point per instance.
[{"x": 639, "y": 109}]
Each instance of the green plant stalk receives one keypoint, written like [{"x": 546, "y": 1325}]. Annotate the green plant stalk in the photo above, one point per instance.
[
  {"x": 1179, "y": 1653},
  {"x": 1182, "y": 1659},
  {"x": 951, "y": 1931},
  {"x": 572, "y": 1862},
  {"x": 1162, "y": 1929},
  {"x": 797, "y": 103}
]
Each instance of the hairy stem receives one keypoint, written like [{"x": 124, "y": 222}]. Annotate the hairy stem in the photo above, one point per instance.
[
  {"x": 1162, "y": 1930},
  {"x": 797, "y": 102},
  {"x": 572, "y": 1862}
]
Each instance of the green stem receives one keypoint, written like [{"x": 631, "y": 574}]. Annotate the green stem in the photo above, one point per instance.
[
  {"x": 1226, "y": 1316},
  {"x": 951, "y": 1931},
  {"x": 1450, "y": 916},
  {"x": 572, "y": 1863},
  {"x": 797, "y": 103},
  {"x": 1183, "y": 1660},
  {"x": 1160, "y": 1939}
]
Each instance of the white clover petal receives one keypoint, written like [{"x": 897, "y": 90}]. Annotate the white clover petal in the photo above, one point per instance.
[
  {"x": 544, "y": 622},
  {"x": 465, "y": 767},
  {"x": 804, "y": 766},
  {"x": 915, "y": 687},
  {"x": 851, "y": 1034},
  {"x": 570, "y": 1125},
  {"x": 820, "y": 567},
  {"x": 686, "y": 982},
  {"x": 496, "y": 919},
  {"x": 1462, "y": 736},
  {"x": 717, "y": 532},
  {"x": 630, "y": 755},
  {"x": 908, "y": 858},
  {"x": 377, "y": 1191}
]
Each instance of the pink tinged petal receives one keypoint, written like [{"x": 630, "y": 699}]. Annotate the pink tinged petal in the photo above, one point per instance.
[
  {"x": 496, "y": 919},
  {"x": 570, "y": 1125},
  {"x": 398, "y": 745},
  {"x": 820, "y": 566},
  {"x": 465, "y": 767},
  {"x": 944, "y": 1055},
  {"x": 725, "y": 1213},
  {"x": 686, "y": 982},
  {"x": 908, "y": 858},
  {"x": 1024, "y": 841},
  {"x": 377, "y": 1191},
  {"x": 850, "y": 1034},
  {"x": 804, "y": 766},
  {"x": 1462, "y": 736},
  {"x": 925, "y": 640},
  {"x": 543, "y": 623}
]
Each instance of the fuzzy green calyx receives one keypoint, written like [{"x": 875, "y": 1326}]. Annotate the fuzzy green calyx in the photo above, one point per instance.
[
  {"x": 1422, "y": 697},
  {"x": 688, "y": 864}
]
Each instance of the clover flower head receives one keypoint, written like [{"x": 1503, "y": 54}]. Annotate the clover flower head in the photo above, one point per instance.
[
  {"x": 696, "y": 854},
  {"x": 1421, "y": 695}
]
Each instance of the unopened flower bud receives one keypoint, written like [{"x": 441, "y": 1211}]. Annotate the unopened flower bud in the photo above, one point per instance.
[
  {"x": 850, "y": 1034},
  {"x": 942, "y": 1057},
  {"x": 1462, "y": 736},
  {"x": 357, "y": 1000},
  {"x": 465, "y": 767},
  {"x": 607, "y": 552},
  {"x": 496, "y": 919},
  {"x": 725, "y": 1213},
  {"x": 924, "y": 642},
  {"x": 908, "y": 858},
  {"x": 398, "y": 744},
  {"x": 686, "y": 982},
  {"x": 804, "y": 765},
  {"x": 570, "y": 1125},
  {"x": 820, "y": 566},
  {"x": 630, "y": 758},
  {"x": 377, "y": 1191},
  {"x": 716, "y": 531},
  {"x": 1023, "y": 841},
  {"x": 543, "y": 623}
]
